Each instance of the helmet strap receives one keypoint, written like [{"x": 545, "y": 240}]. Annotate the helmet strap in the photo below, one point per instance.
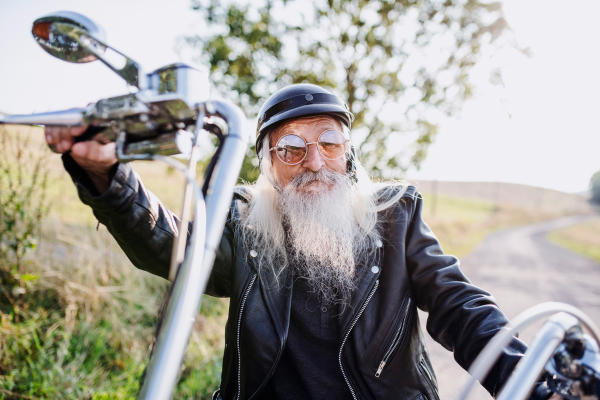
[{"x": 351, "y": 163}]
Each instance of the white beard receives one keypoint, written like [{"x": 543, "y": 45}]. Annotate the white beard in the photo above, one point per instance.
[
  {"x": 329, "y": 225},
  {"x": 323, "y": 236}
]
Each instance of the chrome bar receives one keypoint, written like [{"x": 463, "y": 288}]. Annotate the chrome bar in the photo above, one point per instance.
[
  {"x": 225, "y": 175},
  {"x": 131, "y": 72},
  {"x": 72, "y": 117},
  {"x": 490, "y": 354},
  {"x": 192, "y": 278},
  {"x": 543, "y": 346},
  {"x": 180, "y": 315},
  {"x": 166, "y": 144},
  {"x": 178, "y": 251}
]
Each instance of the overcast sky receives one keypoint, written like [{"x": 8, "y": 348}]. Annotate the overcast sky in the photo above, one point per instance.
[{"x": 540, "y": 129}]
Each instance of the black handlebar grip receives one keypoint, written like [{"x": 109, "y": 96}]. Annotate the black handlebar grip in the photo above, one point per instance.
[{"x": 90, "y": 132}]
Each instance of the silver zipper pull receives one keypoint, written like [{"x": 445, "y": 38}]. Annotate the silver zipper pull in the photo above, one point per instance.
[{"x": 379, "y": 369}]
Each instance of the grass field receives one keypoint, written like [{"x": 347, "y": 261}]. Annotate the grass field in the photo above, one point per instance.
[
  {"x": 78, "y": 320},
  {"x": 462, "y": 223},
  {"x": 582, "y": 238}
]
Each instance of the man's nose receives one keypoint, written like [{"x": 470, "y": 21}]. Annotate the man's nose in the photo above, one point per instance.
[{"x": 314, "y": 160}]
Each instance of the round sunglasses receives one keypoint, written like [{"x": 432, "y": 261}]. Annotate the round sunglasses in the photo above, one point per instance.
[{"x": 292, "y": 149}]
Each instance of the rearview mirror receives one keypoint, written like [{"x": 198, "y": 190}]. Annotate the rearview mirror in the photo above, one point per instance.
[
  {"x": 75, "y": 38},
  {"x": 59, "y": 35}
]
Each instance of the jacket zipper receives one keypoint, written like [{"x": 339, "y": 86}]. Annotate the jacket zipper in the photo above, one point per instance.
[
  {"x": 429, "y": 377},
  {"x": 239, "y": 325},
  {"x": 348, "y": 334},
  {"x": 397, "y": 340}
]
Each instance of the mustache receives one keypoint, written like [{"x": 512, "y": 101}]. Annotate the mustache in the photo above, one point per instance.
[{"x": 307, "y": 177}]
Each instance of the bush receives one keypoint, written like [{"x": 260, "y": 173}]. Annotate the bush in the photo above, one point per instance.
[{"x": 23, "y": 183}]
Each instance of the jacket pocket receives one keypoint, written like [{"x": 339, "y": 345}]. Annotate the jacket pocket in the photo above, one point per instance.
[
  {"x": 397, "y": 339},
  {"x": 428, "y": 376}
]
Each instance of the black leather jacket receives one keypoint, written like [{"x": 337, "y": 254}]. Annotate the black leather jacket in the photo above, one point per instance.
[{"x": 407, "y": 272}]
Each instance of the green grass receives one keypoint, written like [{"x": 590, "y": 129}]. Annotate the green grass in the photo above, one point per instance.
[
  {"x": 76, "y": 340},
  {"x": 461, "y": 223},
  {"x": 582, "y": 238}
]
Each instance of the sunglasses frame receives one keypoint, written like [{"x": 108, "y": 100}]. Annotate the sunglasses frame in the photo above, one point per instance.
[{"x": 306, "y": 144}]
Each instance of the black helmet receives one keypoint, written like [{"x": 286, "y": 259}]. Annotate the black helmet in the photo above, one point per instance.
[{"x": 299, "y": 100}]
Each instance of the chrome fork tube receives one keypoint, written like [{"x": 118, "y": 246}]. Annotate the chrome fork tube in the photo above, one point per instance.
[
  {"x": 179, "y": 318},
  {"x": 178, "y": 250},
  {"x": 192, "y": 278}
]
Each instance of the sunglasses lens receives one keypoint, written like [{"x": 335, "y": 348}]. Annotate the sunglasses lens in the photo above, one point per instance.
[
  {"x": 332, "y": 144},
  {"x": 291, "y": 149}
]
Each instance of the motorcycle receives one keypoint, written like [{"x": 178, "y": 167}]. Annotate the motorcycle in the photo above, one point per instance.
[
  {"x": 171, "y": 109},
  {"x": 165, "y": 117}
]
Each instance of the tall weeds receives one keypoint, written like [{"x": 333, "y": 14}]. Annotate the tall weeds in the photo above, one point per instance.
[
  {"x": 23, "y": 183},
  {"x": 76, "y": 318}
]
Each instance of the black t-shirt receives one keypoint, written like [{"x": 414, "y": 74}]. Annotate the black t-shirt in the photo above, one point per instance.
[{"x": 309, "y": 366}]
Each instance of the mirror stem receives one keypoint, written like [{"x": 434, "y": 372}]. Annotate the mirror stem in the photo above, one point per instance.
[{"x": 131, "y": 72}]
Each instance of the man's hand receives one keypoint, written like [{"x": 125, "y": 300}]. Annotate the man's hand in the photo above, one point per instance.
[{"x": 95, "y": 158}]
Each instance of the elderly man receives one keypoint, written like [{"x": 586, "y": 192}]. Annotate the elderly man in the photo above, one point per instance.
[{"x": 324, "y": 269}]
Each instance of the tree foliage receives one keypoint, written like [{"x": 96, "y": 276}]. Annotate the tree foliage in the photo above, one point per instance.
[
  {"x": 399, "y": 65},
  {"x": 595, "y": 187}
]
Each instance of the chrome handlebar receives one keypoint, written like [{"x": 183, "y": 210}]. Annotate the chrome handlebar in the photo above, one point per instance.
[
  {"x": 152, "y": 121},
  {"x": 547, "y": 354}
]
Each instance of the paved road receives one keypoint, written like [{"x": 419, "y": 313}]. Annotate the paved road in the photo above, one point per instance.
[{"x": 522, "y": 269}]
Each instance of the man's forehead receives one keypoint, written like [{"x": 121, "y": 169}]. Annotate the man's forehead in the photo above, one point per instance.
[{"x": 313, "y": 122}]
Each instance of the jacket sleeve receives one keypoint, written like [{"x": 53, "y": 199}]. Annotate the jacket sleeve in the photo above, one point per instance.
[
  {"x": 462, "y": 316},
  {"x": 142, "y": 226}
]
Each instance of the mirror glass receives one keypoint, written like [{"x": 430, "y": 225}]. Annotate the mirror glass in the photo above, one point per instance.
[{"x": 61, "y": 34}]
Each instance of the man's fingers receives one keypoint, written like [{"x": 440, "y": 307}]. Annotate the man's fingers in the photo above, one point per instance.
[
  {"x": 50, "y": 132},
  {"x": 65, "y": 140},
  {"x": 94, "y": 155},
  {"x": 61, "y": 138},
  {"x": 97, "y": 160},
  {"x": 78, "y": 130}
]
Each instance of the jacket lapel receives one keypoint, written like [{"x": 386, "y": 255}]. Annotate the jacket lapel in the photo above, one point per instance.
[
  {"x": 278, "y": 299},
  {"x": 368, "y": 271}
]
